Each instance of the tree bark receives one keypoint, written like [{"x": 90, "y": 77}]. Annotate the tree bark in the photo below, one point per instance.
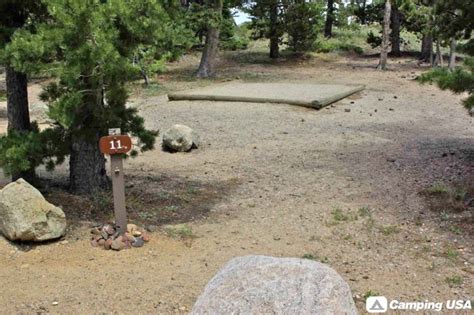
[
  {"x": 329, "y": 19},
  {"x": 274, "y": 36},
  {"x": 385, "y": 37},
  {"x": 18, "y": 112},
  {"x": 17, "y": 101},
  {"x": 395, "y": 35},
  {"x": 438, "y": 62},
  {"x": 426, "y": 47},
  {"x": 87, "y": 174},
  {"x": 452, "y": 54},
  {"x": 364, "y": 14},
  {"x": 211, "y": 47}
]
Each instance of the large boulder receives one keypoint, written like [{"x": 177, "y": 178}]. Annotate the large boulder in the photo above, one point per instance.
[
  {"x": 26, "y": 216},
  {"x": 269, "y": 285},
  {"x": 180, "y": 138}
]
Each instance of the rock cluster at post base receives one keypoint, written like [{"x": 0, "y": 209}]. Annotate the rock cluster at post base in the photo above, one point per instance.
[
  {"x": 26, "y": 216},
  {"x": 180, "y": 138},
  {"x": 106, "y": 236},
  {"x": 269, "y": 285}
]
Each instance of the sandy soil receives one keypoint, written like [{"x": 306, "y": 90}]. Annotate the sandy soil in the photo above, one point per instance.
[{"x": 279, "y": 174}]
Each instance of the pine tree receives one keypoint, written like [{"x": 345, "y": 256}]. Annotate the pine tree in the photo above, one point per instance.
[
  {"x": 300, "y": 20},
  {"x": 455, "y": 19},
  {"x": 92, "y": 44},
  {"x": 208, "y": 59},
  {"x": 15, "y": 15},
  {"x": 385, "y": 37}
]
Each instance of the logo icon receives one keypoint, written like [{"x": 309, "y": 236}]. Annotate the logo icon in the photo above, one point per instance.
[{"x": 376, "y": 304}]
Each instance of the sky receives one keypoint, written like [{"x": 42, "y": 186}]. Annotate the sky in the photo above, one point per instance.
[{"x": 241, "y": 17}]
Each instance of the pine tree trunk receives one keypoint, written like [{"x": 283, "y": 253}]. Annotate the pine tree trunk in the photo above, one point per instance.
[
  {"x": 18, "y": 112},
  {"x": 426, "y": 47},
  {"x": 438, "y": 62},
  {"x": 17, "y": 101},
  {"x": 274, "y": 36},
  {"x": 87, "y": 173},
  {"x": 329, "y": 19},
  {"x": 364, "y": 14},
  {"x": 385, "y": 37},
  {"x": 211, "y": 47},
  {"x": 395, "y": 35},
  {"x": 452, "y": 54}
]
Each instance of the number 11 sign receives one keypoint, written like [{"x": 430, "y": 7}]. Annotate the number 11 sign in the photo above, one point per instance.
[{"x": 116, "y": 145}]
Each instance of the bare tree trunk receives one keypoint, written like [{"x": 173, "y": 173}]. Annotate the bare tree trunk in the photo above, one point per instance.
[
  {"x": 438, "y": 62},
  {"x": 385, "y": 37},
  {"x": 87, "y": 173},
  {"x": 452, "y": 54},
  {"x": 18, "y": 112},
  {"x": 274, "y": 34},
  {"x": 364, "y": 14},
  {"x": 395, "y": 36},
  {"x": 17, "y": 101},
  {"x": 209, "y": 54},
  {"x": 426, "y": 47},
  {"x": 329, "y": 19}
]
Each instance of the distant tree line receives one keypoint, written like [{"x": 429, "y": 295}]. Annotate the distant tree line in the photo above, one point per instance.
[{"x": 92, "y": 48}]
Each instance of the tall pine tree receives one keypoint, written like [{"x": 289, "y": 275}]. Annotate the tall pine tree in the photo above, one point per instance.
[{"x": 92, "y": 44}]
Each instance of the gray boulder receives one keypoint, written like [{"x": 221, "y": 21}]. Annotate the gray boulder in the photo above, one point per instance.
[
  {"x": 26, "y": 216},
  {"x": 180, "y": 138},
  {"x": 269, "y": 285}
]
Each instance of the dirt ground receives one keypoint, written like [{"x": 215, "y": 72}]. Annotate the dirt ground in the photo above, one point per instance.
[{"x": 353, "y": 189}]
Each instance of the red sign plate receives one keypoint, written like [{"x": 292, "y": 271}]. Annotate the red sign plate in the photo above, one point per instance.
[{"x": 115, "y": 144}]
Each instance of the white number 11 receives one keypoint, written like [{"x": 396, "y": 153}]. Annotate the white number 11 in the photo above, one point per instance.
[{"x": 119, "y": 145}]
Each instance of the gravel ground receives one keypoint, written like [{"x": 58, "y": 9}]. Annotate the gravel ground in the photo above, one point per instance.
[{"x": 341, "y": 185}]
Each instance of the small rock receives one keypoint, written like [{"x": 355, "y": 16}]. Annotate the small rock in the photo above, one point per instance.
[
  {"x": 131, "y": 227},
  {"x": 347, "y": 110},
  {"x": 109, "y": 229},
  {"x": 117, "y": 244},
  {"x": 94, "y": 243},
  {"x": 130, "y": 237},
  {"x": 146, "y": 237},
  {"x": 139, "y": 242},
  {"x": 391, "y": 109},
  {"x": 180, "y": 138},
  {"x": 101, "y": 242},
  {"x": 55, "y": 303},
  {"x": 104, "y": 234},
  {"x": 95, "y": 231},
  {"x": 65, "y": 242},
  {"x": 108, "y": 244}
]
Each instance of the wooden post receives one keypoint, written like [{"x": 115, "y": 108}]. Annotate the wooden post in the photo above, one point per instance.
[
  {"x": 118, "y": 187},
  {"x": 115, "y": 145}
]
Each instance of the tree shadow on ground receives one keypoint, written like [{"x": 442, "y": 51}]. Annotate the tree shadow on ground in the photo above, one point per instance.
[{"x": 151, "y": 200}]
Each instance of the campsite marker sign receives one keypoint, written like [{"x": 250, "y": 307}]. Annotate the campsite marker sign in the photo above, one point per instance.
[{"x": 115, "y": 145}]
